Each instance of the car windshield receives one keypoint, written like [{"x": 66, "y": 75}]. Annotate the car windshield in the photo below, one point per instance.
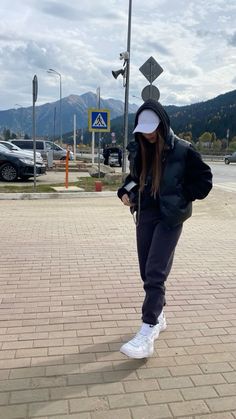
[
  {"x": 11, "y": 147},
  {"x": 8, "y": 145},
  {"x": 3, "y": 148},
  {"x": 56, "y": 147}
]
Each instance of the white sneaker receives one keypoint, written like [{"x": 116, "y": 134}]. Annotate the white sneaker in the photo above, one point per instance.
[
  {"x": 160, "y": 326},
  {"x": 162, "y": 322},
  {"x": 141, "y": 346}
]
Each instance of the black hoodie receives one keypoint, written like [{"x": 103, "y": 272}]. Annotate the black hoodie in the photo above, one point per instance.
[{"x": 185, "y": 177}]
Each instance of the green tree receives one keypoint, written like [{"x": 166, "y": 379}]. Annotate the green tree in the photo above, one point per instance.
[
  {"x": 6, "y": 134},
  {"x": 186, "y": 135},
  {"x": 213, "y": 138},
  {"x": 205, "y": 137},
  {"x": 224, "y": 144},
  {"x": 232, "y": 146},
  {"x": 205, "y": 141},
  {"x": 216, "y": 145}
]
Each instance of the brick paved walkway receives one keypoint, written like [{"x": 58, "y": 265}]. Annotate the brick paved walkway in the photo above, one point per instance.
[{"x": 71, "y": 294}]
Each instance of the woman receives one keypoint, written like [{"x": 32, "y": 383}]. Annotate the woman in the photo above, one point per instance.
[{"x": 166, "y": 175}]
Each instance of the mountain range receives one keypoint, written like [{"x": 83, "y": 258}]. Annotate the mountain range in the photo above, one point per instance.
[
  {"x": 20, "y": 119},
  {"x": 215, "y": 115}
]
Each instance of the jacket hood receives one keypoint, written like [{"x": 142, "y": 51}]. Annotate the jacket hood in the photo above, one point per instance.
[{"x": 160, "y": 111}]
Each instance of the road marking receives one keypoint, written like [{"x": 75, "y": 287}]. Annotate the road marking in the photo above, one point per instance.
[{"x": 230, "y": 186}]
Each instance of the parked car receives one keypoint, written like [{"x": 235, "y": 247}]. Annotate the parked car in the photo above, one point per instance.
[
  {"x": 43, "y": 146},
  {"x": 114, "y": 160},
  {"x": 231, "y": 158},
  {"x": 15, "y": 148},
  {"x": 13, "y": 166},
  {"x": 112, "y": 156}
]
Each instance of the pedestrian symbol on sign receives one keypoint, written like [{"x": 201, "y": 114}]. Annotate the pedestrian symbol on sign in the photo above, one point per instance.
[{"x": 99, "y": 122}]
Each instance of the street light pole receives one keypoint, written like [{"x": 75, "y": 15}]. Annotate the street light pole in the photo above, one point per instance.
[
  {"x": 35, "y": 95},
  {"x": 126, "y": 107},
  {"x": 54, "y": 125},
  {"x": 60, "y": 110}
]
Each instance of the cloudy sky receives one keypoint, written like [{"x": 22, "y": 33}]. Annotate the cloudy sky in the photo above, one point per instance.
[{"x": 193, "y": 41}]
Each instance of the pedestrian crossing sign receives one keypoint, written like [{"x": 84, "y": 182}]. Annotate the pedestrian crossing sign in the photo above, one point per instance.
[{"x": 99, "y": 120}]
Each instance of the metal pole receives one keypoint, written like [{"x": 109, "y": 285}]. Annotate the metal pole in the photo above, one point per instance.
[
  {"x": 74, "y": 137},
  {"x": 54, "y": 125},
  {"x": 51, "y": 70},
  {"x": 35, "y": 94},
  {"x": 227, "y": 136},
  {"x": 93, "y": 141},
  {"x": 151, "y": 76},
  {"x": 82, "y": 136},
  {"x": 126, "y": 107},
  {"x": 60, "y": 109},
  {"x": 99, "y": 134},
  {"x": 34, "y": 142}
]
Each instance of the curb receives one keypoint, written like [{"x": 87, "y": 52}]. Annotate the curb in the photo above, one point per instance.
[{"x": 56, "y": 195}]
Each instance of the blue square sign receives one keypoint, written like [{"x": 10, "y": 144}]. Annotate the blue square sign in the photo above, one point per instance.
[{"x": 99, "y": 120}]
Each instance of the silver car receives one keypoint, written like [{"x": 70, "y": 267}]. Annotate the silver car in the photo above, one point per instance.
[
  {"x": 231, "y": 158},
  {"x": 43, "y": 147},
  {"x": 15, "y": 148}
]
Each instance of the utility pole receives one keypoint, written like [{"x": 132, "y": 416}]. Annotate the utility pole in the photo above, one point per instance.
[
  {"x": 35, "y": 95},
  {"x": 126, "y": 107}
]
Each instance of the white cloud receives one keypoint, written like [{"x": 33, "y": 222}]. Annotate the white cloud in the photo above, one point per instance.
[{"x": 194, "y": 42}]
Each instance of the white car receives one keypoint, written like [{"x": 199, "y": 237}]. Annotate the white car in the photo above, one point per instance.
[{"x": 15, "y": 148}]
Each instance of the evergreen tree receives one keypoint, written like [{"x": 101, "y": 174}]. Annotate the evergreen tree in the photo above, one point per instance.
[{"x": 6, "y": 134}]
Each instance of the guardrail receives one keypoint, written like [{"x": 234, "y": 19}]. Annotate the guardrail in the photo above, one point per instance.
[{"x": 212, "y": 158}]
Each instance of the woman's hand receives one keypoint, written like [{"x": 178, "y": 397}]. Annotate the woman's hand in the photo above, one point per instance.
[{"x": 125, "y": 200}]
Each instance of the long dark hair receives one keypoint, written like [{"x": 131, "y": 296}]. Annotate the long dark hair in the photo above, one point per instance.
[{"x": 155, "y": 161}]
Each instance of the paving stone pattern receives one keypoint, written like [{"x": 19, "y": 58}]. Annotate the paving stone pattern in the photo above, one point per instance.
[{"x": 71, "y": 294}]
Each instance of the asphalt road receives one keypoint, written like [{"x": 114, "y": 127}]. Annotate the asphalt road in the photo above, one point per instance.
[
  {"x": 224, "y": 176},
  {"x": 222, "y": 172}
]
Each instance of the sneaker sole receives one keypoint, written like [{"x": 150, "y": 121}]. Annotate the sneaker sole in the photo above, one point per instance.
[{"x": 135, "y": 356}]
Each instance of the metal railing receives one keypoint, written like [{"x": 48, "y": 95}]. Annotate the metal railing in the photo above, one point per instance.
[{"x": 209, "y": 157}]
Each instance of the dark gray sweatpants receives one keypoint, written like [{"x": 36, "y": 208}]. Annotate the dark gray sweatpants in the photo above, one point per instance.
[{"x": 156, "y": 246}]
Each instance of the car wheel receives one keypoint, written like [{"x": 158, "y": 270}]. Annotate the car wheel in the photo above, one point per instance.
[
  {"x": 227, "y": 161},
  {"x": 8, "y": 172}
]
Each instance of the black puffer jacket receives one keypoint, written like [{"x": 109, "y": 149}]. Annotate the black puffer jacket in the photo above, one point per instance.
[{"x": 185, "y": 177}]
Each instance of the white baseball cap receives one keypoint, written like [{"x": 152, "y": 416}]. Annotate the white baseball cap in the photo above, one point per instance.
[{"x": 148, "y": 122}]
